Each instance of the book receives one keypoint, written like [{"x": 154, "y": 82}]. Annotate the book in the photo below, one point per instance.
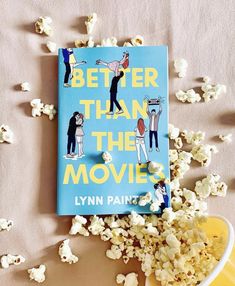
[{"x": 113, "y": 104}]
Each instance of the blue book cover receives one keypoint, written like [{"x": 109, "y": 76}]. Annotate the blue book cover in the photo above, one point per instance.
[{"x": 113, "y": 100}]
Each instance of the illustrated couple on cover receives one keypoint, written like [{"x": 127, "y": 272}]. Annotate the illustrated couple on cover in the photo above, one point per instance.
[
  {"x": 141, "y": 129},
  {"x": 75, "y": 135},
  {"x": 114, "y": 66}
]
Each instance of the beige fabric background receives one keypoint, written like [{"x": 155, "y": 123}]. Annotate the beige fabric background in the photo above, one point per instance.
[{"x": 200, "y": 31}]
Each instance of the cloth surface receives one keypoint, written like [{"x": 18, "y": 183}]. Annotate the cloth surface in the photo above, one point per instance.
[{"x": 200, "y": 31}]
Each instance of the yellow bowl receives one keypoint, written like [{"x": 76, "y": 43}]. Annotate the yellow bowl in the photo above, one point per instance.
[{"x": 223, "y": 273}]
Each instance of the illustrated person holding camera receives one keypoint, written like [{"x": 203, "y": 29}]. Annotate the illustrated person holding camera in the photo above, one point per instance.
[{"x": 153, "y": 126}]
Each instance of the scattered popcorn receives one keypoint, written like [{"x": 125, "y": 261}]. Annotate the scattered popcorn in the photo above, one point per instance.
[
  {"x": 49, "y": 110},
  {"x": 37, "y": 107},
  {"x": 172, "y": 241},
  {"x": 37, "y": 274},
  {"x": 194, "y": 138},
  {"x": 137, "y": 41},
  {"x": 90, "y": 23},
  {"x": 180, "y": 66},
  {"x": 96, "y": 226},
  {"x": 127, "y": 44},
  {"x": 107, "y": 157},
  {"x": 42, "y": 25},
  {"x": 90, "y": 43},
  {"x": 25, "y": 86},
  {"x": 5, "y": 224},
  {"x": 202, "y": 153},
  {"x": 51, "y": 46},
  {"x": 180, "y": 166},
  {"x": 78, "y": 223},
  {"x": 189, "y": 96},
  {"x": 173, "y": 155},
  {"x": 7, "y": 260},
  {"x": 136, "y": 219},
  {"x": 66, "y": 254},
  {"x": 128, "y": 280},
  {"x": 6, "y": 135},
  {"x": 174, "y": 132},
  {"x": 85, "y": 43},
  {"x": 80, "y": 43},
  {"x": 211, "y": 186},
  {"x": 206, "y": 79},
  {"x": 226, "y": 138},
  {"x": 154, "y": 167},
  {"x": 109, "y": 42},
  {"x": 120, "y": 278},
  {"x": 114, "y": 253},
  {"x": 146, "y": 199},
  {"x": 212, "y": 91},
  {"x": 178, "y": 143}
]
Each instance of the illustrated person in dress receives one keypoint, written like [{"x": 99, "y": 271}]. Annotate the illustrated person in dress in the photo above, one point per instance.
[
  {"x": 161, "y": 194},
  {"x": 70, "y": 63},
  {"x": 140, "y": 131},
  {"x": 115, "y": 66},
  {"x": 71, "y": 135},
  {"x": 153, "y": 126},
  {"x": 79, "y": 134}
]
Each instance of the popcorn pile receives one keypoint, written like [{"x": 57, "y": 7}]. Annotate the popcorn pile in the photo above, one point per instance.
[
  {"x": 173, "y": 247},
  {"x": 6, "y": 135},
  {"x": 38, "y": 108}
]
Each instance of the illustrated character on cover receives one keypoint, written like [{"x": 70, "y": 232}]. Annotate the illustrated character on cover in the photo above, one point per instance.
[
  {"x": 161, "y": 194},
  {"x": 80, "y": 134},
  {"x": 115, "y": 66},
  {"x": 71, "y": 135},
  {"x": 70, "y": 63},
  {"x": 140, "y": 131},
  {"x": 153, "y": 122}
]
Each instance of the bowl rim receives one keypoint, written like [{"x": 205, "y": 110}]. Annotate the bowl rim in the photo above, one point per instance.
[{"x": 227, "y": 252}]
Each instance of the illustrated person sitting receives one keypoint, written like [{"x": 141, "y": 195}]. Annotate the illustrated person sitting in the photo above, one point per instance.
[
  {"x": 71, "y": 135},
  {"x": 153, "y": 126},
  {"x": 161, "y": 194},
  {"x": 70, "y": 63},
  {"x": 140, "y": 131}
]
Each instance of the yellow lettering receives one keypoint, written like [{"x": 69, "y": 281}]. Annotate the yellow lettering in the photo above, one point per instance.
[
  {"x": 103, "y": 178},
  {"x": 91, "y": 79},
  {"x": 151, "y": 75},
  {"x": 70, "y": 172},
  {"x": 78, "y": 79}
]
